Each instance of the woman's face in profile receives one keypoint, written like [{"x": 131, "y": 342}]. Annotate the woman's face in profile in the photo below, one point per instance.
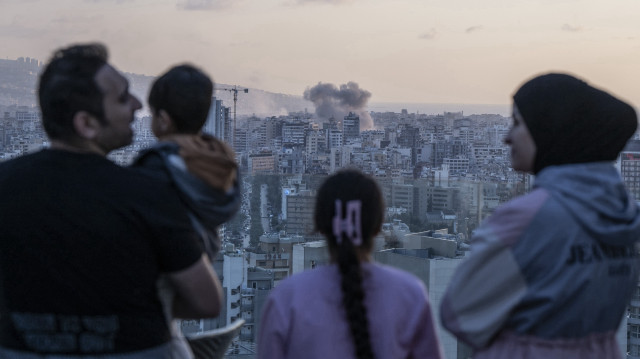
[{"x": 523, "y": 148}]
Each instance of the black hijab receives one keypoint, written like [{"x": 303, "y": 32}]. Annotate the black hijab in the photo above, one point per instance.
[{"x": 572, "y": 122}]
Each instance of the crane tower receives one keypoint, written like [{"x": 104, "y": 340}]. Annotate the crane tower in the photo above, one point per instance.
[{"x": 234, "y": 90}]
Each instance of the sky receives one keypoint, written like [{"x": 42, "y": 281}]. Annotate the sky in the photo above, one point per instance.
[{"x": 411, "y": 51}]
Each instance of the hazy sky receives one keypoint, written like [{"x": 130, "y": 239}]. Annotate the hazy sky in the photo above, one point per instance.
[{"x": 429, "y": 51}]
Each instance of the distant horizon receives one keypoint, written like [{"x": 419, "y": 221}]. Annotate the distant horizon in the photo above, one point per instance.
[
  {"x": 427, "y": 108},
  {"x": 398, "y": 51}
]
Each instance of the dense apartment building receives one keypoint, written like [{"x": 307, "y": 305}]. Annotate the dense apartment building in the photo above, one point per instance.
[
  {"x": 433, "y": 258},
  {"x": 299, "y": 209},
  {"x": 260, "y": 282},
  {"x": 628, "y": 164},
  {"x": 351, "y": 127},
  {"x": 294, "y": 132},
  {"x": 262, "y": 163},
  {"x": 219, "y": 121},
  {"x": 309, "y": 255}
]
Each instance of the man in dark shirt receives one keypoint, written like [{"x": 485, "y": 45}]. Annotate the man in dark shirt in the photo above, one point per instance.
[{"x": 83, "y": 240}]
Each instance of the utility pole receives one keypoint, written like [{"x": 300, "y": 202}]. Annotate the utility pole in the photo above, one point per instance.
[{"x": 234, "y": 90}]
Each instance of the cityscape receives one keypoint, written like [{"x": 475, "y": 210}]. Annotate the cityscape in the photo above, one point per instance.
[
  {"x": 415, "y": 93},
  {"x": 441, "y": 175}
]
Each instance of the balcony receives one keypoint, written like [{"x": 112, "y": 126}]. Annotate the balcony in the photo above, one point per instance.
[
  {"x": 248, "y": 319},
  {"x": 271, "y": 256}
]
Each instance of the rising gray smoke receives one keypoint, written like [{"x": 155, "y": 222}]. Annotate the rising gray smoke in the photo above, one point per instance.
[{"x": 331, "y": 101}]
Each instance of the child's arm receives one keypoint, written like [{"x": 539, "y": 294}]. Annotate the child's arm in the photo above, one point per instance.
[{"x": 204, "y": 170}]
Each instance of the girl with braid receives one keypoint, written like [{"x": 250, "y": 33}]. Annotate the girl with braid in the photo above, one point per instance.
[{"x": 351, "y": 308}]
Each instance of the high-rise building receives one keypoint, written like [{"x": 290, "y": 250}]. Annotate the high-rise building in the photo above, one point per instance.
[
  {"x": 259, "y": 284},
  {"x": 270, "y": 129},
  {"x": 442, "y": 198},
  {"x": 463, "y": 130},
  {"x": 334, "y": 138},
  {"x": 420, "y": 199},
  {"x": 435, "y": 270},
  {"x": 458, "y": 164},
  {"x": 300, "y": 208},
  {"x": 409, "y": 137},
  {"x": 292, "y": 160},
  {"x": 315, "y": 144},
  {"x": 339, "y": 158},
  {"x": 293, "y": 133},
  {"x": 309, "y": 255},
  {"x": 633, "y": 326},
  {"x": 264, "y": 162},
  {"x": 351, "y": 127},
  {"x": 402, "y": 197},
  {"x": 234, "y": 279},
  {"x": 241, "y": 142},
  {"x": 218, "y": 121},
  {"x": 628, "y": 164},
  {"x": 274, "y": 253}
]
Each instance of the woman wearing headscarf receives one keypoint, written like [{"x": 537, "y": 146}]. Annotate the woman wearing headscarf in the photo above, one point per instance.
[{"x": 550, "y": 273}]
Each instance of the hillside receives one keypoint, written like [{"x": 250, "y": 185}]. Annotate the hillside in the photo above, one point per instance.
[{"x": 18, "y": 81}]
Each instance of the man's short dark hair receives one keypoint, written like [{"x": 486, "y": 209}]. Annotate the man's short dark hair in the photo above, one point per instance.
[
  {"x": 184, "y": 92},
  {"x": 68, "y": 85}
]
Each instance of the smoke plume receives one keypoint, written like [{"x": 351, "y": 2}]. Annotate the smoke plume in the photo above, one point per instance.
[{"x": 331, "y": 101}]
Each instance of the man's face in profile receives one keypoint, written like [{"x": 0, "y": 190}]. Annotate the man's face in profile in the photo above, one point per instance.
[{"x": 119, "y": 107}]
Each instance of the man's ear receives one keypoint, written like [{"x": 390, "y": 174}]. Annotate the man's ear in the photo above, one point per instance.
[
  {"x": 165, "y": 123},
  {"x": 86, "y": 125}
]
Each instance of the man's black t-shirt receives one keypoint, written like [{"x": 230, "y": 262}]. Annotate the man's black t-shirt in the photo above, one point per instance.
[{"x": 82, "y": 242}]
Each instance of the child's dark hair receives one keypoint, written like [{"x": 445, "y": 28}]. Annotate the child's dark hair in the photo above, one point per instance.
[
  {"x": 345, "y": 199},
  {"x": 184, "y": 92}
]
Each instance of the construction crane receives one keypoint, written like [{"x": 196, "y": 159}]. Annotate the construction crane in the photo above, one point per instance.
[{"x": 234, "y": 90}]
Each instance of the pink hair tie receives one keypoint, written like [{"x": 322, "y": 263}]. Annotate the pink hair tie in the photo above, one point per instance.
[{"x": 350, "y": 224}]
